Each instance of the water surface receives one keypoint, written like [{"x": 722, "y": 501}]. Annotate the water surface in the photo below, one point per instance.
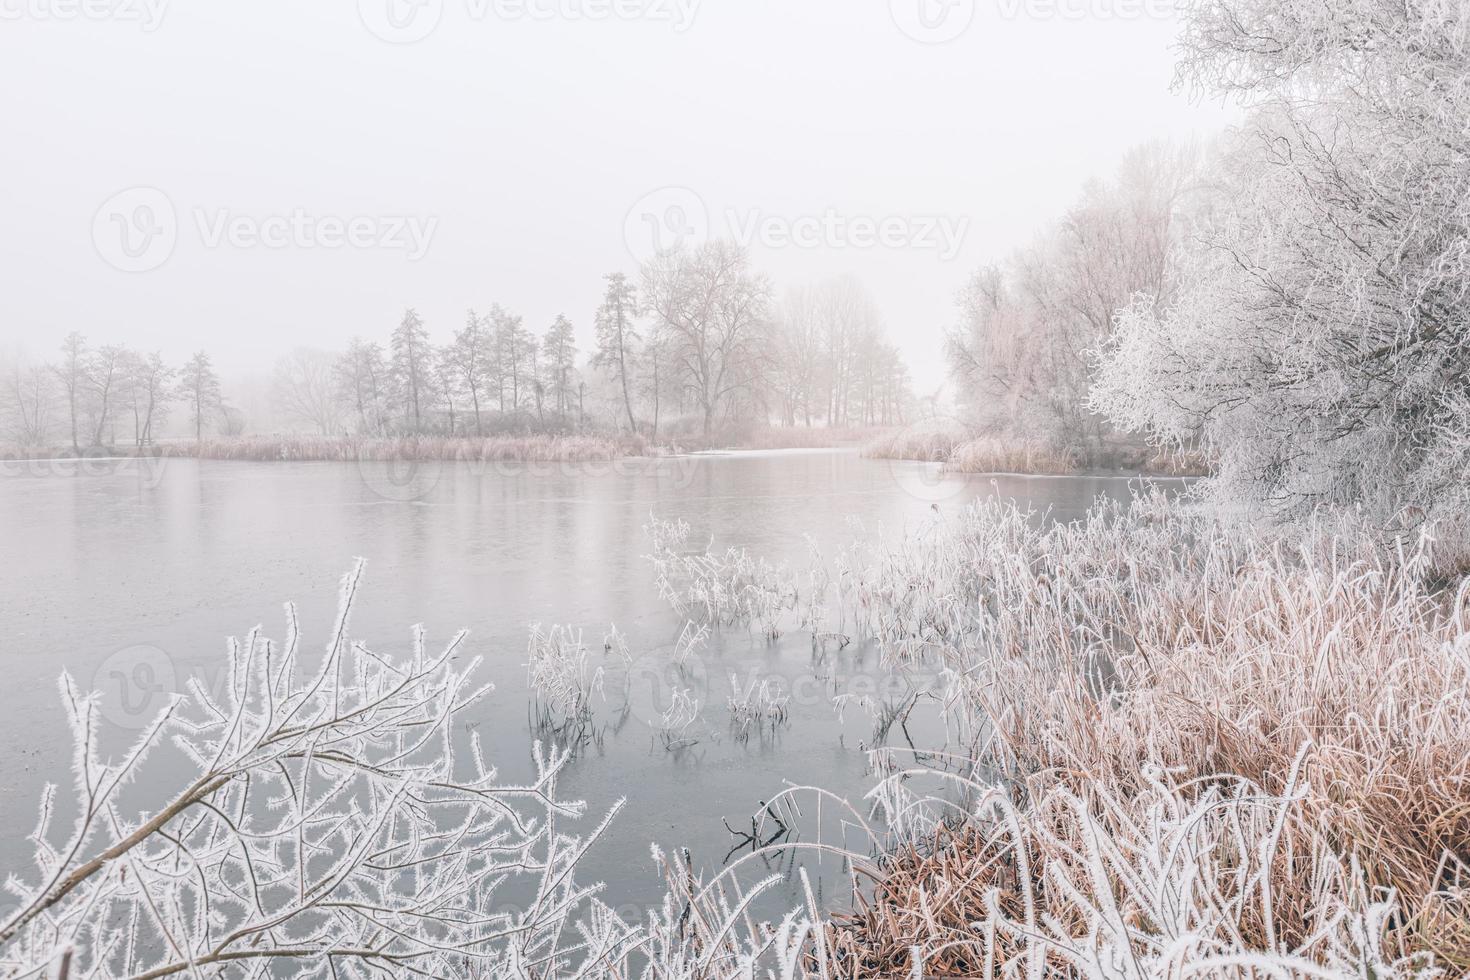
[{"x": 131, "y": 574}]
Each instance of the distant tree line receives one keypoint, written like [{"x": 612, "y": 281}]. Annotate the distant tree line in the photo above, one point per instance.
[
  {"x": 107, "y": 395},
  {"x": 1025, "y": 353},
  {"x": 696, "y": 339}
]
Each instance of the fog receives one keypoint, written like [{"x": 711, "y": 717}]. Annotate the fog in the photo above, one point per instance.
[{"x": 321, "y": 178}]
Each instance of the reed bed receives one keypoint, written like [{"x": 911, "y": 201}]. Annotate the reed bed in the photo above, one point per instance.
[
  {"x": 1178, "y": 746},
  {"x": 518, "y": 449},
  {"x": 758, "y": 704},
  {"x": 1012, "y": 456},
  {"x": 928, "y": 444},
  {"x": 962, "y": 452},
  {"x": 562, "y": 678},
  {"x": 721, "y": 588},
  {"x": 541, "y": 448}
]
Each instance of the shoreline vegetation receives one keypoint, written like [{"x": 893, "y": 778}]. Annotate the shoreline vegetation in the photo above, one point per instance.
[
  {"x": 512, "y": 448},
  {"x": 1194, "y": 743},
  {"x": 1202, "y": 747},
  {"x": 955, "y": 449},
  {"x": 961, "y": 451}
]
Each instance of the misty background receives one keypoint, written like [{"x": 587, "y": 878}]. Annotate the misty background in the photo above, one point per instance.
[{"x": 520, "y": 142}]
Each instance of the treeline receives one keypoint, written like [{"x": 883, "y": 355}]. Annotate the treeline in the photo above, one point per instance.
[
  {"x": 1025, "y": 354},
  {"x": 696, "y": 341},
  {"x": 1294, "y": 305},
  {"x": 98, "y": 397}
]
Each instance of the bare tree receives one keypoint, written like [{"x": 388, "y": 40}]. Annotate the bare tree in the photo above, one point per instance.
[
  {"x": 469, "y": 358},
  {"x": 362, "y": 377},
  {"x": 105, "y": 370},
  {"x": 411, "y": 369},
  {"x": 1025, "y": 352},
  {"x": 617, "y": 336},
  {"x": 560, "y": 353},
  {"x": 72, "y": 371},
  {"x": 30, "y": 391},
  {"x": 200, "y": 387},
  {"x": 149, "y": 382},
  {"x": 716, "y": 313},
  {"x": 305, "y": 389},
  {"x": 516, "y": 348}
]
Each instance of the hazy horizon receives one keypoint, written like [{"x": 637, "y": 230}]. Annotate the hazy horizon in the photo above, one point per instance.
[{"x": 799, "y": 130}]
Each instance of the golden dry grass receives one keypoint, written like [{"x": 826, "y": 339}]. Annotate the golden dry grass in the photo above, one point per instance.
[
  {"x": 537, "y": 448},
  {"x": 1137, "y": 665}
]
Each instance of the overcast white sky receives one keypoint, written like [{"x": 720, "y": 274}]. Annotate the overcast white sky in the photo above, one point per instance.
[{"x": 515, "y": 146}]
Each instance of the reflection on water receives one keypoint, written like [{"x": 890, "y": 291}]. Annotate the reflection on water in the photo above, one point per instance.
[{"x": 130, "y": 576}]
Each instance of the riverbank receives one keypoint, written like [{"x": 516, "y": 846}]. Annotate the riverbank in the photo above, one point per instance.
[
  {"x": 1173, "y": 739},
  {"x": 1151, "y": 735},
  {"x": 561, "y": 448},
  {"x": 960, "y": 452}
]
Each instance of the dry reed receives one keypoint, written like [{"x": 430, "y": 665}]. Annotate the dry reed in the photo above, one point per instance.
[{"x": 1179, "y": 746}]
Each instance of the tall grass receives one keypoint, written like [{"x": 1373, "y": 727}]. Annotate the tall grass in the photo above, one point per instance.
[
  {"x": 962, "y": 452},
  {"x": 1178, "y": 746},
  {"x": 524, "y": 449},
  {"x": 1012, "y": 456},
  {"x": 926, "y": 444}
]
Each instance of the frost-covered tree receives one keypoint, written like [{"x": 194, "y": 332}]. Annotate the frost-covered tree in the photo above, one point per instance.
[
  {"x": 618, "y": 337},
  {"x": 715, "y": 310},
  {"x": 362, "y": 382},
  {"x": 470, "y": 360},
  {"x": 411, "y": 370},
  {"x": 105, "y": 372},
  {"x": 304, "y": 388},
  {"x": 798, "y": 354},
  {"x": 72, "y": 373},
  {"x": 1024, "y": 351},
  {"x": 559, "y": 361},
  {"x": 148, "y": 387},
  {"x": 199, "y": 386},
  {"x": 29, "y": 397},
  {"x": 1320, "y": 343},
  {"x": 515, "y": 350}
]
